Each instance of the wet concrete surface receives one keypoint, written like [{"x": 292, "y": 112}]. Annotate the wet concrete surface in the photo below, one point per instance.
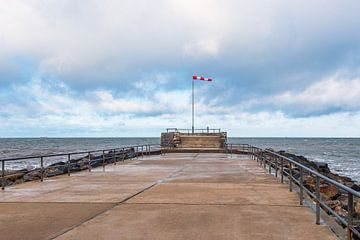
[{"x": 176, "y": 196}]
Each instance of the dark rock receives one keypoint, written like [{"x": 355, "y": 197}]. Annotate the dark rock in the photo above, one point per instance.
[
  {"x": 321, "y": 165},
  {"x": 56, "y": 170},
  {"x": 356, "y": 187},
  {"x": 96, "y": 163},
  {"x": 57, "y": 164}
]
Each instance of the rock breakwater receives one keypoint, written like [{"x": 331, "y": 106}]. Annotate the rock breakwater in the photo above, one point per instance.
[{"x": 74, "y": 165}]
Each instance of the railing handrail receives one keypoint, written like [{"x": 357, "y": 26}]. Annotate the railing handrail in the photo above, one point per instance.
[
  {"x": 257, "y": 154},
  {"x": 316, "y": 173},
  {"x": 196, "y": 129},
  {"x": 73, "y": 153}
]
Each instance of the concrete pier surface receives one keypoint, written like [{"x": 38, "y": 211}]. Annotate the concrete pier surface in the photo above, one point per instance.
[{"x": 176, "y": 196}]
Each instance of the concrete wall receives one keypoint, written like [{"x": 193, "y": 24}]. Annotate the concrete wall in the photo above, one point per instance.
[{"x": 180, "y": 140}]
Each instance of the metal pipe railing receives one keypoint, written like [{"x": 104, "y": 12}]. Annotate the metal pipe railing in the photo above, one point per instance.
[
  {"x": 270, "y": 158},
  {"x": 103, "y": 156},
  {"x": 197, "y": 131}
]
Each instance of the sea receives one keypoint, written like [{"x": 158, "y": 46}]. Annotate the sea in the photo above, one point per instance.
[{"x": 341, "y": 154}]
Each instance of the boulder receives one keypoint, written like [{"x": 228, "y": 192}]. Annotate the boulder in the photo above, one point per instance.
[
  {"x": 56, "y": 170},
  {"x": 356, "y": 187},
  {"x": 14, "y": 176},
  {"x": 309, "y": 182},
  {"x": 340, "y": 211},
  {"x": 57, "y": 164},
  {"x": 32, "y": 175},
  {"x": 333, "y": 203},
  {"x": 329, "y": 191},
  {"x": 357, "y": 209}
]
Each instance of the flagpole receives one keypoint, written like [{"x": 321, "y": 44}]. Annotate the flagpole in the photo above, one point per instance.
[
  {"x": 193, "y": 97},
  {"x": 193, "y": 106}
]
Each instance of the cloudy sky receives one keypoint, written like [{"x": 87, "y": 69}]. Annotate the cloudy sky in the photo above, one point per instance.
[{"x": 123, "y": 68}]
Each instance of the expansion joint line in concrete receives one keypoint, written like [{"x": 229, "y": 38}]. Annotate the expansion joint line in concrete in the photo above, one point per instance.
[
  {"x": 216, "y": 204},
  {"x": 106, "y": 210}
]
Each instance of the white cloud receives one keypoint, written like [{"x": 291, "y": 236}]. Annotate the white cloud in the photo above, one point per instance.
[
  {"x": 202, "y": 47},
  {"x": 334, "y": 93},
  {"x": 148, "y": 41},
  {"x": 76, "y": 37}
]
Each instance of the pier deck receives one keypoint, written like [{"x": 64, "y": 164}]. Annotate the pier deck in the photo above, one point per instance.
[{"x": 176, "y": 196}]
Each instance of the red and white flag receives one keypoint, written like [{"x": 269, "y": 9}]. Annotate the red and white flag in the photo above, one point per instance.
[{"x": 202, "y": 78}]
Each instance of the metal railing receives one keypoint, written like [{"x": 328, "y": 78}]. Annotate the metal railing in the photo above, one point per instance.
[
  {"x": 287, "y": 167},
  {"x": 197, "y": 131},
  {"x": 91, "y": 159}
]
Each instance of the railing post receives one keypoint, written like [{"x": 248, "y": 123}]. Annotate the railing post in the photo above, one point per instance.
[
  {"x": 270, "y": 165},
  {"x": 290, "y": 177},
  {"x": 301, "y": 187},
  {"x": 350, "y": 215},
  {"x": 265, "y": 160},
  {"x": 42, "y": 169},
  {"x": 89, "y": 164},
  {"x": 282, "y": 170},
  {"x": 114, "y": 157},
  {"x": 317, "y": 200},
  {"x": 103, "y": 160},
  {"x": 3, "y": 175},
  {"x": 231, "y": 151},
  {"x": 123, "y": 154},
  {"x": 276, "y": 166},
  {"x": 68, "y": 167}
]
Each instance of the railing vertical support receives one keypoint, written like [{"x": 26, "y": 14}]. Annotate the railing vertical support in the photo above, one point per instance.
[
  {"x": 114, "y": 157},
  {"x": 256, "y": 155},
  {"x": 350, "y": 216},
  {"x": 282, "y": 170},
  {"x": 270, "y": 164},
  {"x": 42, "y": 169},
  {"x": 231, "y": 150},
  {"x": 123, "y": 154},
  {"x": 265, "y": 160},
  {"x": 142, "y": 151},
  {"x": 290, "y": 177},
  {"x": 301, "y": 187},
  {"x": 103, "y": 160},
  {"x": 317, "y": 200},
  {"x": 89, "y": 163},
  {"x": 3, "y": 175},
  {"x": 68, "y": 167},
  {"x": 276, "y": 167}
]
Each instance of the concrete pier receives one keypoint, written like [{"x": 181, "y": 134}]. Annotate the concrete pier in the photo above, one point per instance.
[{"x": 176, "y": 196}]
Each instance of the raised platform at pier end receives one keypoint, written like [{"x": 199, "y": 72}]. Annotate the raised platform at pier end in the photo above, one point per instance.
[{"x": 171, "y": 196}]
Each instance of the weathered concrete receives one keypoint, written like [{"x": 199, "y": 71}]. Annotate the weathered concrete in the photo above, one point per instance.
[{"x": 176, "y": 196}]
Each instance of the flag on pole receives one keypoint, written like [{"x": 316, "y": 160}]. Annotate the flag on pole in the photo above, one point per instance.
[{"x": 202, "y": 78}]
